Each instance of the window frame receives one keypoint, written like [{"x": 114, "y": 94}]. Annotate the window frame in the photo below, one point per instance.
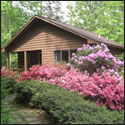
[{"x": 69, "y": 54}]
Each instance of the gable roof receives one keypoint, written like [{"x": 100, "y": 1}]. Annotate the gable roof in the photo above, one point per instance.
[{"x": 75, "y": 30}]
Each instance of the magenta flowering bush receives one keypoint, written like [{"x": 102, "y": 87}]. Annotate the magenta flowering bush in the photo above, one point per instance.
[{"x": 93, "y": 58}]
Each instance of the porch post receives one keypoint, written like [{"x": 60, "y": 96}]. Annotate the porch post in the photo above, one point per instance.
[
  {"x": 25, "y": 60},
  {"x": 8, "y": 61}
]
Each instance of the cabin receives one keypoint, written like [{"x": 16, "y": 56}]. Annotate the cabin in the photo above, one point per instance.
[{"x": 43, "y": 40}]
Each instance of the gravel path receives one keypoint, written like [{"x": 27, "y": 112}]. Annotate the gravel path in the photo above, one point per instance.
[{"x": 25, "y": 115}]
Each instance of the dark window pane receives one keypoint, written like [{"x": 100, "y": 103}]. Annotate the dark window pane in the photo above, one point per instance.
[
  {"x": 65, "y": 55},
  {"x": 21, "y": 60},
  {"x": 93, "y": 44},
  {"x": 57, "y": 55}
]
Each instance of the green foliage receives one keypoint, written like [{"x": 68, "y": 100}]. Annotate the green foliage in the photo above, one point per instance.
[
  {"x": 64, "y": 106},
  {"x": 53, "y": 10},
  {"x": 120, "y": 56},
  {"x": 10, "y": 85},
  {"x": 14, "y": 60},
  {"x": 102, "y": 17},
  {"x": 35, "y": 7},
  {"x": 6, "y": 117},
  {"x": 7, "y": 86},
  {"x": 12, "y": 19},
  {"x": 24, "y": 93},
  {"x": 3, "y": 59},
  {"x": 4, "y": 92},
  {"x": 86, "y": 52}
]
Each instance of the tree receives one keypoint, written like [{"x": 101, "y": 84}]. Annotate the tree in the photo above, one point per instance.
[
  {"x": 52, "y": 10},
  {"x": 31, "y": 7},
  {"x": 102, "y": 17},
  {"x": 10, "y": 23}
]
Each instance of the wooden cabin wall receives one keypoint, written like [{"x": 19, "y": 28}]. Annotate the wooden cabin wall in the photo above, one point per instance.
[{"x": 47, "y": 38}]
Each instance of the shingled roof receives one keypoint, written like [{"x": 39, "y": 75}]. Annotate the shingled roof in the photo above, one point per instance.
[
  {"x": 75, "y": 30},
  {"x": 86, "y": 33}
]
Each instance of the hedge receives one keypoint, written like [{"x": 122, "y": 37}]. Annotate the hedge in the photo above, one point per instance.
[{"x": 64, "y": 106}]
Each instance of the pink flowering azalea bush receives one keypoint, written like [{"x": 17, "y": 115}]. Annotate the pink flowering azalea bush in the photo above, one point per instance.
[
  {"x": 10, "y": 74},
  {"x": 104, "y": 89},
  {"x": 44, "y": 72},
  {"x": 95, "y": 57}
]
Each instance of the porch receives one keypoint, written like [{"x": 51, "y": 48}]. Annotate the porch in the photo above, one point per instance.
[{"x": 25, "y": 60}]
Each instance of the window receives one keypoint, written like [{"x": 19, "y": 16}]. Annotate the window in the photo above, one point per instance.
[
  {"x": 64, "y": 55},
  {"x": 57, "y": 55},
  {"x": 93, "y": 44}
]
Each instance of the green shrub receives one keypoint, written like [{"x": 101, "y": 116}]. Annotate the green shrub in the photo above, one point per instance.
[
  {"x": 120, "y": 56},
  {"x": 24, "y": 92},
  {"x": 7, "y": 86},
  {"x": 10, "y": 85},
  {"x": 4, "y": 92},
  {"x": 65, "y": 106},
  {"x": 6, "y": 117}
]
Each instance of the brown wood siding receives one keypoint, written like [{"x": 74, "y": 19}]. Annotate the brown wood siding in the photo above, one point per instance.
[{"x": 47, "y": 38}]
